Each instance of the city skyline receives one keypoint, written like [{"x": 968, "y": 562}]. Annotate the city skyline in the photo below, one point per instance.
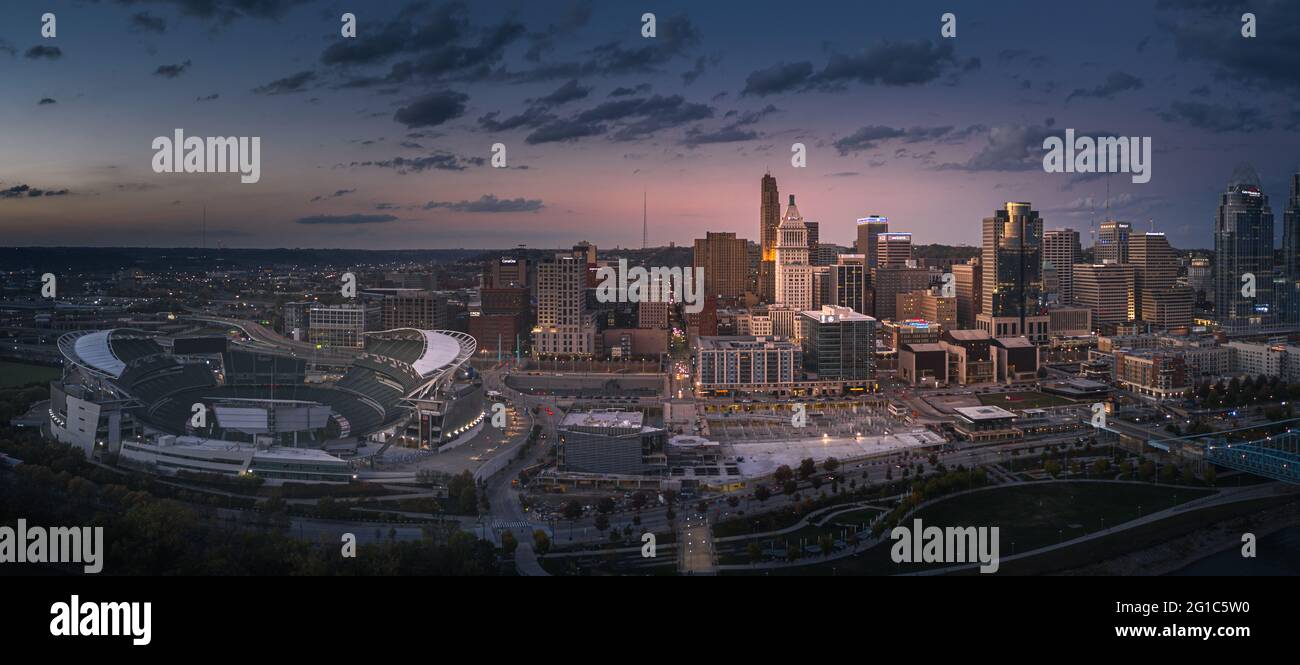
[{"x": 385, "y": 141}]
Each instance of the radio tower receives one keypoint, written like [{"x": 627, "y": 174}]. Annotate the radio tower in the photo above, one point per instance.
[{"x": 645, "y": 230}]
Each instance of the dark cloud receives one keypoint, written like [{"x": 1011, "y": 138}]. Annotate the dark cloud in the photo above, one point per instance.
[
  {"x": 295, "y": 83},
  {"x": 226, "y": 11},
  {"x": 1209, "y": 30},
  {"x": 564, "y": 130},
  {"x": 207, "y": 98},
  {"x": 440, "y": 161},
  {"x": 885, "y": 63},
  {"x": 871, "y": 136},
  {"x": 1009, "y": 148},
  {"x": 146, "y": 22},
  {"x": 43, "y": 51},
  {"x": 732, "y": 132},
  {"x": 489, "y": 203},
  {"x": 337, "y": 193},
  {"x": 674, "y": 37},
  {"x": 1216, "y": 118},
  {"x": 29, "y": 192},
  {"x": 576, "y": 15},
  {"x": 566, "y": 93},
  {"x": 630, "y": 119},
  {"x": 778, "y": 78},
  {"x": 1116, "y": 82},
  {"x": 640, "y": 89},
  {"x": 46, "y": 101},
  {"x": 346, "y": 219},
  {"x": 6, "y": 47},
  {"x": 172, "y": 71},
  {"x": 432, "y": 109},
  {"x": 426, "y": 44},
  {"x": 534, "y": 116}
]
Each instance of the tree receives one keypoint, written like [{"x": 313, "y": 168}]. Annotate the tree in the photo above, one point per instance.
[
  {"x": 733, "y": 501},
  {"x": 541, "y": 542},
  {"x": 762, "y": 493},
  {"x": 639, "y": 500},
  {"x": 573, "y": 509},
  {"x": 605, "y": 506},
  {"x": 602, "y": 522},
  {"x": 826, "y": 542},
  {"x": 782, "y": 474},
  {"x": 508, "y": 543},
  {"x": 807, "y": 467},
  {"x": 831, "y": 464},
  {"x": 789, "y": 487}
]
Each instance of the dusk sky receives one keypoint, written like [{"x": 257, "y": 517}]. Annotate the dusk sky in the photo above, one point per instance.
[{"x": 383, "y": 141}]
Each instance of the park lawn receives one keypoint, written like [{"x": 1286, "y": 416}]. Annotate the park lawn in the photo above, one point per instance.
[
  {"x": 20, "y": 374},
  {"x": 1028, "y": 517}
]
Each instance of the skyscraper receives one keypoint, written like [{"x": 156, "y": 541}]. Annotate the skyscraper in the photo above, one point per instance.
[
  {"x": 1013, "y": 274},
  {"x": 1291, "y": 255},
  {"x": 769, "y": 217},
  {"x": 793, "y": 273},
  {"x": 1243, "y": 254},
  {"x": 1061, "y": 248},
  {"x": 1155, "y": 276},
  {"x": 970, "y": 291},
  {"x": 564, "y": 326},
  {"x": 849, "y": 284},
  {"x": 1112, "y": 242},
  {"x": 723, "y": 257},
  {"x": 869, "y": 228},
  {"x": 893, "y": 250},
  {"x": 1107, "y": 290}
]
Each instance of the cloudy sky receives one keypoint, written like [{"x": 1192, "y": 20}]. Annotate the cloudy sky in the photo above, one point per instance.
[{"x": 384, "y": 141}]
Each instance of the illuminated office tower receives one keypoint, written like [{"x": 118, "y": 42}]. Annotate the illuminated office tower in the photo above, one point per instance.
[
  {"x": 1061, "y": 248},
  {"x": 793, "y": 273},
  {"x": 893, "y": 250},
  {"x": 1243, "y": 254},
  {"x": 1013, "y": 274},
  {"x": 1113, "y": 242},
  {"x": 869, "y": 228},
  {"x": 769, "y": 217}
]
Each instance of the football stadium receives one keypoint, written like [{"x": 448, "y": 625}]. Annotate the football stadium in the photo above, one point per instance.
[{"x": 216, "y": 405}]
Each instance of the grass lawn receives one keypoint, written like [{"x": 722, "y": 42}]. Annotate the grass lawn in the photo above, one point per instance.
[
  {"x": 1023, "y": 400},
  {"x": 1030, "y": 516},
  {"x": 19, "y": 374}
]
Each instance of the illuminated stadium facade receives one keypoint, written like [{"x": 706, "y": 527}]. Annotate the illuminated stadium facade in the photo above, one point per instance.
[{"x": 210, "y": 405}]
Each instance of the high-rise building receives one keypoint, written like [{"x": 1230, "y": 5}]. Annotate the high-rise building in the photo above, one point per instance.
[
  {"x": 893, "y": 250},
  {"x": 970, "y": 293},
  {"x": 814, "y": 238},
  {"x": 1155, "y": 268},
  {"x": 1013, "y": 274},
  {"x": 930, "y": 306},
  {"x": 724, "y": 260},
  {"x": 341, "y": 325},
  {"x": 1243, "y": 255},
  {"x": 1291, "y": 256},
  {"x": 849, "y": 284},
  {"x": 890, "y": 283},
  {"x": 564, "y": 326},
  {"x": 869, "y": 229},
  {"x": 1201, "y": 278},
  {"x": 1061, "y": 248},
  {"x": 838, "y": 343},
  {"x": 769, "y": 218},
  {"x": 411, "y": 308},
  {"x": 793, "y": 273},
  {"x": 1112, "y": 242},
  {"x": 1107, "y": 290}
]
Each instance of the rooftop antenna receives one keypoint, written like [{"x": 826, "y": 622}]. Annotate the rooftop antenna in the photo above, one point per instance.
[{"x": 645, "y": 229}]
